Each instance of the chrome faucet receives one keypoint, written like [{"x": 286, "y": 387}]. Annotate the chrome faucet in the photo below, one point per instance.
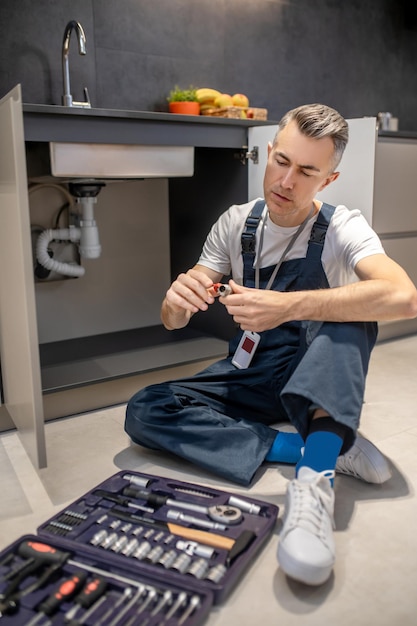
[{"x": 67, "y": 97}]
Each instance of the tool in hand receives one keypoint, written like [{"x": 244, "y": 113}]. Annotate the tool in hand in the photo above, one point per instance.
[
  {"x": 221, "y": 289},
  {"x": 65, "y": 590}
]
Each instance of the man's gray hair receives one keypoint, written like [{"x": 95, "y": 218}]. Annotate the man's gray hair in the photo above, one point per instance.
[{"x": 318, "y": 121}]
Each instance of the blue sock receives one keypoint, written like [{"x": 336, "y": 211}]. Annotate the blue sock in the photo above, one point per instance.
[
  {"x": 321, "y": 451},
  {"x": 286, "y": 448}
]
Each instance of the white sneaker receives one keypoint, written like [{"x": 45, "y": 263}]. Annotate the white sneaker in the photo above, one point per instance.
[
  {"x": 306, "y": 550},
  {"x": 364, "y": 461}
]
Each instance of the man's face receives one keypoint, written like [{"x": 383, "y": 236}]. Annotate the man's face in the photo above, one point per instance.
[{"x": 298, "y": 168}]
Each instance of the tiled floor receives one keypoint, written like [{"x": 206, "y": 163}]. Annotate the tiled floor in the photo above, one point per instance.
[{"x": 375, "y": 578}]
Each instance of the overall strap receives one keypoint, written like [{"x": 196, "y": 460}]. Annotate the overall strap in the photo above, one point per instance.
[
  {"x": 248, "y": 239},
  {"x": 318, "y": 232}
]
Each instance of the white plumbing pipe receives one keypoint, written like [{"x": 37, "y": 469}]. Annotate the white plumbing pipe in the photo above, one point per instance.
[
  {"x": 87, "y": 236},
  {"x": 63, "y": 234},
  {"x": 90, "y": 247}
]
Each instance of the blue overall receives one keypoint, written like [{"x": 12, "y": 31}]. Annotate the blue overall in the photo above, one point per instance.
[{"x": 221, "y": 418}]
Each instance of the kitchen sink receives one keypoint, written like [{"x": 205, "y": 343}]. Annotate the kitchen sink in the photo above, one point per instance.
[{"x": 96, "y": 161}]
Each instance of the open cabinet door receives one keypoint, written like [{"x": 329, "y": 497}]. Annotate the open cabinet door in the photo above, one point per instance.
[
  {"x": 258, "y": 138},
  {"x": 19, "y": 347},
  {"x": 355, "y": 185}
]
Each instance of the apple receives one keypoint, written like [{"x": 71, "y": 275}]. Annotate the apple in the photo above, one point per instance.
[
  {"x": 240, "y": 100},
  {"x": 224, "y": 100}
]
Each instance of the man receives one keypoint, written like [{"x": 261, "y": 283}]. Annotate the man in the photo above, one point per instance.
[{"x": 308, "y": 283}]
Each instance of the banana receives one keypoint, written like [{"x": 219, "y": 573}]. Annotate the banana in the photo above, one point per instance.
[
  {"x": 207, "y": 106},
  {"x": 205, "y": 95}
]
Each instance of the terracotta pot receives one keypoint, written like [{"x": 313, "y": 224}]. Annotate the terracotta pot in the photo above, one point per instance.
[{"x": 185, "y": 108}]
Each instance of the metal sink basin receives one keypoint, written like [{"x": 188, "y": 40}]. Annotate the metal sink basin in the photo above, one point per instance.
[{"x": 96, "y": 161}]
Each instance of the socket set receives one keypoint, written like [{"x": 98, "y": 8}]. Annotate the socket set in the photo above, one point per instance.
[{"x": 154, "y": 551}]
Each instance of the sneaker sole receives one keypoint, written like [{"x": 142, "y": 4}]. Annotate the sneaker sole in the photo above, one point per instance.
[
  {"x": 382, "y": 470},
  {"x": 304, "y": 573}
]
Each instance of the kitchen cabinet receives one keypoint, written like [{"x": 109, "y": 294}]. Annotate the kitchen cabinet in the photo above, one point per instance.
[
  {"x": 378, "y": 174},
  {"x": 395, "y": 210},
  {"x": 20, "y": 367}
]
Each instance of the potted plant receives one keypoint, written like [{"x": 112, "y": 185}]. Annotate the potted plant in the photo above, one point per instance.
[{"x": 184, "y": 101}]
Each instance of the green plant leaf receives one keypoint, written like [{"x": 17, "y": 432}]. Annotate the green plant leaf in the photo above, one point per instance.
[{"x": 183, "y": 95}]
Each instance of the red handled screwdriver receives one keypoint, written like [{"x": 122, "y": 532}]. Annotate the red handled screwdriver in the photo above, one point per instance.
[
  {"x": 65, "y": 590},
  {"x": 91, "y": 592}
]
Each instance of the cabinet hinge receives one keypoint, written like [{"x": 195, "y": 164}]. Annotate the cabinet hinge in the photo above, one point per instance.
[{"x": 253, "y": 155}]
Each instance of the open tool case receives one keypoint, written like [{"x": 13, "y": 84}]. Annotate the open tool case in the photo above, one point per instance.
[{"x": 138, "y": 549}]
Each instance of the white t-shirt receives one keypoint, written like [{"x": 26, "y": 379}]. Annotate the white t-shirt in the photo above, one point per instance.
[{"x": 349, "y": 239}]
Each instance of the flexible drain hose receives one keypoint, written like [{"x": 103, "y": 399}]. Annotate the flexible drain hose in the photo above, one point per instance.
[{"x": 62, "y": 234}]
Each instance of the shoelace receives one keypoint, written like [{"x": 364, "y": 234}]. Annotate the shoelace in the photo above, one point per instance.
[
  {"x": 309, "y": 510},
  {"x": 345, "y": 465}
]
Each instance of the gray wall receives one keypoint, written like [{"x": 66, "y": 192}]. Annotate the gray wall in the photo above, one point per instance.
[
  {"x": 124, "y": 288},
  {"x": 356, "y": 55}
]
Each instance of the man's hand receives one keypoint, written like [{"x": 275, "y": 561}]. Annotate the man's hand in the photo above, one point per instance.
[
  {"x": 188, "y": 294},
  {"x": 383, "y": 293},
  {"x": 256, "y": 309}
]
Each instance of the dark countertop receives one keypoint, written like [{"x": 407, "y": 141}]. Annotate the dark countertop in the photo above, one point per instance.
[
  {"x": 58, "y": 123},
  {"x": 398, "y": 134},
  {"x": 43, "y": 122}
]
